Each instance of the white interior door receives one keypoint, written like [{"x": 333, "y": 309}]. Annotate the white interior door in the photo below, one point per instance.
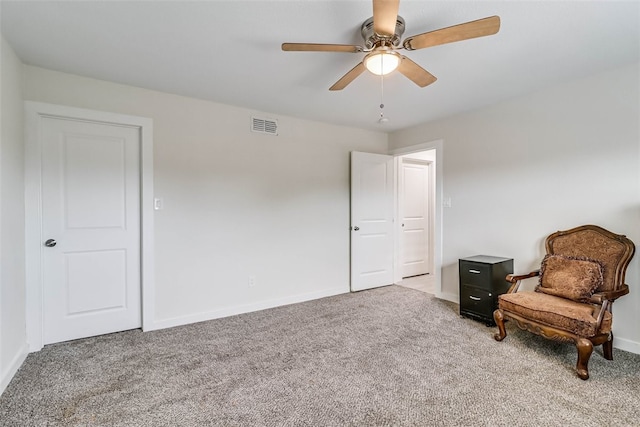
[
  {"x": 414, "y": 183},
  {"x": 91, "y": 209},
  {"x": 371, "y": 220}
]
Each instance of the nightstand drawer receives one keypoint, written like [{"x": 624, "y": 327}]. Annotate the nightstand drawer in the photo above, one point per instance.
[
  {"x": 475, "y": 274},
  {"x": 476, "y": 300}
]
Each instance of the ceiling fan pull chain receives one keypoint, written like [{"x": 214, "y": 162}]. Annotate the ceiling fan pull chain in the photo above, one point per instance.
[
  {"x": 381, "y": 88},
  {"x": 382, "y": 85},
  {"x": 382, "y": 120}
]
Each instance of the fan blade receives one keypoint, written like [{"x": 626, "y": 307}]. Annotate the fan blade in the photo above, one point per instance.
[
  {"x": 385, "y": 14},
  {"x": 468, "y": 30},
  {"x": 349, "y": 77},
  {"x": 415, "y": 73},
  {"x": 319, "y": 47}
]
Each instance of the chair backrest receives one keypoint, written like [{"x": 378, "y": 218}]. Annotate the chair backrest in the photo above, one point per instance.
[{"x": 614, "y": 251}]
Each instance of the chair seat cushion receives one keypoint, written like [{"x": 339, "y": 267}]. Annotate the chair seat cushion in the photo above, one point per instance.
[{"x": 571, "y": 316}]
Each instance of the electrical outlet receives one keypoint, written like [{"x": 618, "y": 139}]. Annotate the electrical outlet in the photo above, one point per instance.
[{"x": 252, "y": 281}]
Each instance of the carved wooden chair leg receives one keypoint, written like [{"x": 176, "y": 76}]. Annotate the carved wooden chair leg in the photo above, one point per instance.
[
  {"x": 607, "y": 348},
  {"x": 585, "y": 348},
  {"x": 499, "y": 319}
]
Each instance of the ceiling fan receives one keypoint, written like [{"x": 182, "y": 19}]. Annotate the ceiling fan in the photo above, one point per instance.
[{"x": 381, "y": 34}]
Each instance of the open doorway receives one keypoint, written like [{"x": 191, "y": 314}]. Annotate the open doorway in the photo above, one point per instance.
[
  {"x": 378, "y": 207},
  {"x": 415, "y": 206},
  {"x": 430, "y": 152}
]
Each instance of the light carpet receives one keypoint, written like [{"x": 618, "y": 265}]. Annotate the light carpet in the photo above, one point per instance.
[{"x": 386, "y": 357}]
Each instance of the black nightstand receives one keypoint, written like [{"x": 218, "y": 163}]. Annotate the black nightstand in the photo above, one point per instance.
[{"x": 482, "y": 279}]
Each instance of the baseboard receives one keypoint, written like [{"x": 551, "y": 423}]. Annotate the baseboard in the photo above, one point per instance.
[
  {"x": 15, "y": 364},
  {"x": 626, "y": 345},
  {"x": 448, "y": 297},
  {"x": 240, "y": 309}
]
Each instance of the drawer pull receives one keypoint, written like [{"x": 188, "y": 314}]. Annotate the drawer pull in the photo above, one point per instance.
[
  {"x": 474, "y": 271},
  {"x": 474, "y": 298}
]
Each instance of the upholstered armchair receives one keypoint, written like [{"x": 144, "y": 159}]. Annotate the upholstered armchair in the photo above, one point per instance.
[{"x": 579, "y": 279}]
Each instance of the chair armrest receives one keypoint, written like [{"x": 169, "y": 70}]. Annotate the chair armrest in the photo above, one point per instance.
[
  {"x": 605, "y": 299},
  {"x": 511, "y": 278},
  {"x": 515, "y": 280},
  {"x": 600, "y": 297}
]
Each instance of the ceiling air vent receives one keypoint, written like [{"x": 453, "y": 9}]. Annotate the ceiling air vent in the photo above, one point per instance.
[{"x": 267, "y": 126}]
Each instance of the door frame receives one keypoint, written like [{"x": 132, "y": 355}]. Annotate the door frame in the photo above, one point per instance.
[
  {"x": 438, "y": 146},
  {"x": 34, "y": 113},
  {"x": 400, "y": 161}
]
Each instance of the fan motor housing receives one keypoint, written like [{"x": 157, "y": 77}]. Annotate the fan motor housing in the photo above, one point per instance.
[{"x": 371, "y": 39}]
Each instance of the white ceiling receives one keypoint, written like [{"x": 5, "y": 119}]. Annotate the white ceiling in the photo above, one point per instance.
[{"x": 229, "y": 51}]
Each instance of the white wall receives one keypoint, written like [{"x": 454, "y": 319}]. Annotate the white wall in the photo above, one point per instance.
[
  {"x": 522, "y": 169},
  {"x": 13, "y": 347},
  {"x": 236, "y": 203}
]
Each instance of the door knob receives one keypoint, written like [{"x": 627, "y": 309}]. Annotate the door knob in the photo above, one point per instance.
[
  {"x": 50, "y": 243},
  {"x": 356, "y": 228}
]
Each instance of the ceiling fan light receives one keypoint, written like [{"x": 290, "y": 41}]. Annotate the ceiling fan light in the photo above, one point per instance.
[{"x": 382, "y": 63}]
